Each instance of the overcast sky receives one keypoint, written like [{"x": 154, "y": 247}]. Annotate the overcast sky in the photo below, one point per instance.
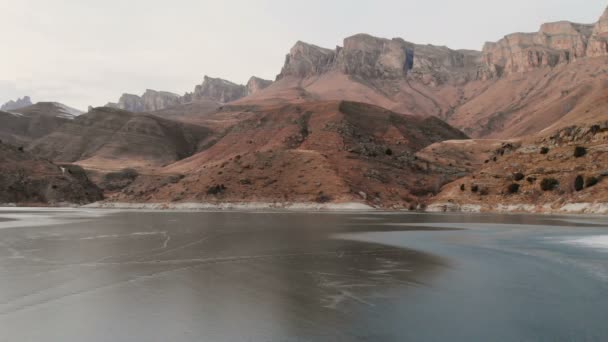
[{"x": 88, "y": 52}]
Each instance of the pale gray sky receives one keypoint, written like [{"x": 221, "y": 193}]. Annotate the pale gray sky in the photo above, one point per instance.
[{"x": 83, "y": 52}]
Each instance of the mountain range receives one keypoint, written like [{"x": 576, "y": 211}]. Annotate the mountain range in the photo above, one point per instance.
[{"x": 382, "y": 121}]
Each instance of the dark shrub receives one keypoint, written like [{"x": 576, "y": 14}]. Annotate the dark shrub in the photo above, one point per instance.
[
  {"x": 118, "y": 180},
  {"x": 463, "y": 187},
  {"x": 484, "y": 191},
  {"x": 216, "y": 189},
  {"x": 544, "y": 150},
  {"x": 531, "y": 180},
  {"x": 518, "y": 176},
  {"x": 474, "y": 188},
  {"x": 579, "y": 183},
  {"x": 322, "y": 198},
  {"x": 591, "y": 181},
  {"x": 388, "y": 152},
  {"x": 580, "y": 151},
  {"x": 20, "y": 148},
  {"x": 548, "y": 184},
  {"x": 513, "y": 188}
]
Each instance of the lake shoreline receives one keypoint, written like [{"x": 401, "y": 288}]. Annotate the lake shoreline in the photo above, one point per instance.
[{"x": 585, "y": 209}]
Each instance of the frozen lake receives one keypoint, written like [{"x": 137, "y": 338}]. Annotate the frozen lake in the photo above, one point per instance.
[{"x": 94, "y": 275}]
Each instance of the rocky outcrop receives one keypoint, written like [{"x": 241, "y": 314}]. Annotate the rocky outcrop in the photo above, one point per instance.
[
  {"x": 150, "y": 101},
  {"x": 434, "y": 65},
  {"x": 219, "y": 90},
  {"x": 256, "y": 84},
  {"x": 554, "y": 44},
  {"x": 367, "y": 57},
  {"x": 211, "y": 90},
  {"x": 370, "y": 57},
  {"x": 306, "y": 60},
  {"x": 19, "y": 103},
  {"x": 598, "y": 42},
  {"x": 26, "y": 179}
]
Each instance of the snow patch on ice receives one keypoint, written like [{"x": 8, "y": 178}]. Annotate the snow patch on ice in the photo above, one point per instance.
[{"x": 599, "y": 242}]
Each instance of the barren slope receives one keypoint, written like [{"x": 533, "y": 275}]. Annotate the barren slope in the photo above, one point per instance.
[
  {"x": 21, "y": 126},
  {"x": 108, "y": 138},
  {"x": 25, "y": 179},
  {"x": 321, "y": 151},
  {"x": 538, "y": 172}
]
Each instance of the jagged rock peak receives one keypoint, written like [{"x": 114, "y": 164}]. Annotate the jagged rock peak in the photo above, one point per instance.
[
  {"x": 598, "y": 43},
  {"x": 256, "y": 84},
  {"x": 219, "y": 90},
  {"x": 306, "y": 60},
  {"x": 19, "y": 103}
]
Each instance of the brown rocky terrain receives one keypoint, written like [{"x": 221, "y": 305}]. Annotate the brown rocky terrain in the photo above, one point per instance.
[
  {"x": 561, "y": 171},
  {"x": 380, "y": 121},
  {"x": 111, "y": 139},
  {"x": 520, "y": 85},
  {"x": 311, "y": 152},
  {"x": 23, "y": 125},
  {"x": 26, "y": 179}
]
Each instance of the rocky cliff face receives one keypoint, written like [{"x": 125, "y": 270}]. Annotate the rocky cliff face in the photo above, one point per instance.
[
  {"x": 367, "y": 57},
  {"x": 306, "y": 60},
  {"x": 219, "y": 90},
  {"x": 211, "y": 90},
  {"x": 19, "y": 103},
  {"x": 554, "y": 44},
  {"x": 598, "y": 42},
  {"x": 370, "y": 57},
  {"x": 150, "y": 101},
  {"x": 256, "y": 84}
]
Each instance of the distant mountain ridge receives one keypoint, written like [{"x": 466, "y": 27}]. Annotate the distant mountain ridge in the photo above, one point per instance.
[
  {"x": 22, "y": 125},
  {"x": 212, "y": 89},
  {"x": 19, "y": 103}
]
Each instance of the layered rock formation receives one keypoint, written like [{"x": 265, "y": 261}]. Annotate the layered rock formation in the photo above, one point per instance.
[
  {"x": 219, "y": 90},
  {"x": 256, "y": 84},
  {"x": 108, "y": 138},
  {"x": 555, "y": 43},
  {"x": 150, "y": 101},
  {"x": 306, "y": 60},
  {"x": 598, "y": 42},
  {"x": 21, "y": 126},
  {"x": 211, "y": 90},
  {"x": 368, "y": 57},
  {"x": 26, "y": 179},
  {"x": 19, "y": 103}
]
